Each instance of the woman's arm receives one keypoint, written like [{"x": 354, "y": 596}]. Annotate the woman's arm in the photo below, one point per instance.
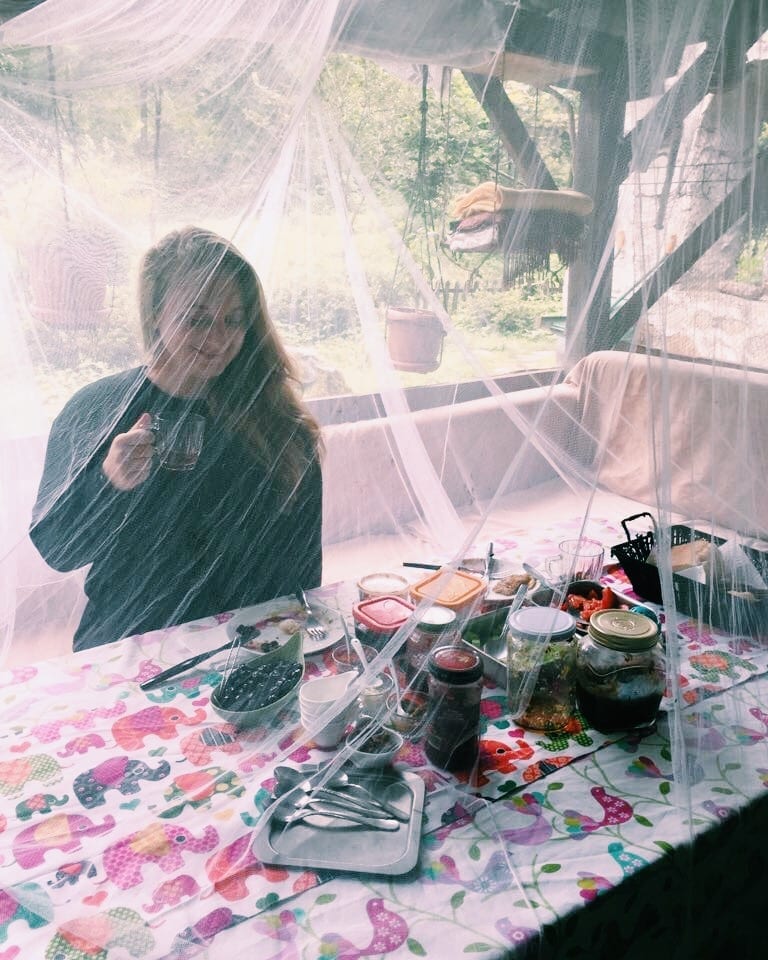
[
  {"x": 310, "y": 509},
  {"x": 77, "y": 508}
]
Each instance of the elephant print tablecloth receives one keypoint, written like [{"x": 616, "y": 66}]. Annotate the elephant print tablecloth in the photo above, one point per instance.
[{"x": 127, "y": 818}]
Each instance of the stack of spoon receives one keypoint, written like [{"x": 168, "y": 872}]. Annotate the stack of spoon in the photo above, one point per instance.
[{"x": 335, "y": 796}]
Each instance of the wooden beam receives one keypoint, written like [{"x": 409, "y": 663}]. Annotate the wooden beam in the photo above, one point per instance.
[
  {"x": 577, "y": 51},
  {"x": 720, "y": 65},
  {"x": 598, "y": 172},
  {"x": 492, "y": 97},
  {"x": 724, "y": 216},
  {"x": 640, "y": 147},
  {"x": 745, "y": 25}
]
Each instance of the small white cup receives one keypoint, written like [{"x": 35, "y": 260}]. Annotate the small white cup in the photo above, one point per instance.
[
  {"x": 324, "y": 691},
  {"x": 326, "y": 734}
]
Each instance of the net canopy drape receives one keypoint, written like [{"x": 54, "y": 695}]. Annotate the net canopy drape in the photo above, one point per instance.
[{"x": 294, "y": 129}]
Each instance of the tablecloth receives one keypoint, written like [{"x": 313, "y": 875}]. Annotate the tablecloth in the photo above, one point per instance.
[{"x": 128, "y": 817}]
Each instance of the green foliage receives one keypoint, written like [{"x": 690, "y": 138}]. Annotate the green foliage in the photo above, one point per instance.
[
  {"x": 507, "y": 311},
  {"x": 750, "y": 265},
  {"x": 204, "y": 138}
]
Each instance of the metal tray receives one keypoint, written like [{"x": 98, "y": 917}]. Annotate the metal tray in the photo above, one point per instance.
[
  {"x": 341, "y": 847},
  {"x": 483, "y": 629}
]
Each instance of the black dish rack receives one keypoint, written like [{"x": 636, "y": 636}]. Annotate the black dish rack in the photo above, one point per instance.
[{"x": 712, "y": 603}]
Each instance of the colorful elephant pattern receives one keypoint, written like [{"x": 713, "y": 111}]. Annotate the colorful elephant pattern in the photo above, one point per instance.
[{"x": 158, "y": 797}]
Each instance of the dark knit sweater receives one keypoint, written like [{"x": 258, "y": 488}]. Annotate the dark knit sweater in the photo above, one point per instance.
[{"x": 181, "y": 545}]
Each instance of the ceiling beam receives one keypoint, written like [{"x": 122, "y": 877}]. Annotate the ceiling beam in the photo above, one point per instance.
[{"x": 492, "y": 97}]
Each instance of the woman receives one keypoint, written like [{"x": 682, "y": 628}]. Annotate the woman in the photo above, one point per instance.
[{"x": 243, "y": 525}]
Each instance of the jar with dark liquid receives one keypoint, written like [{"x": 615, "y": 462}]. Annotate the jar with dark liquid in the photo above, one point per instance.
[
  {"x": 452, "y": 736},
  {"x": 620, "y": 672}
]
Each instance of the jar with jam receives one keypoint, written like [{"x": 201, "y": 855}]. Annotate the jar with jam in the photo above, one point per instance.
[
  {"x": 452, "y": 736},
  {"x": 620, "y": 671},
  {"x": 436, "y": 627},
  {"x": 540, "y": 660}
]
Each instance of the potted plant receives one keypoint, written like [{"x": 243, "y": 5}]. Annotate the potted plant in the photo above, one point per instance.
[{"x": 414, "y": 339}]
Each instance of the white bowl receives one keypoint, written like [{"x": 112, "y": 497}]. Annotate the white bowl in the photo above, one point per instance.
[
  {"x": 329, "y": 734},
  {"x": 391, "y": 744},
  {"x": 324, "y": 691}
]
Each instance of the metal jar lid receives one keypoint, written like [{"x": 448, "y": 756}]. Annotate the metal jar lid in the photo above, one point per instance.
[
  {"x": 436, "y": 619},
  {"x": 623, "y": 630},
  {"x": 534, "y": 623}
]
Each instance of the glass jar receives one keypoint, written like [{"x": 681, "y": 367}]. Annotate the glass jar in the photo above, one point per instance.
[
  {"x": 437, "y": 627},
  {"x": 620, "y": 672},
  {"x": 383, "y": 585},
  {"x": 452, "y": 736},
  {"x": 540, "y": 660}
]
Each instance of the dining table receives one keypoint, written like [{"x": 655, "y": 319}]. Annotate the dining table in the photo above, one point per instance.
[{"x": 132, "y": 821}]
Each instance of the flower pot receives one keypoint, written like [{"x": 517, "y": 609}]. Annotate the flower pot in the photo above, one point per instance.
[{"x": 414, "y": 338}]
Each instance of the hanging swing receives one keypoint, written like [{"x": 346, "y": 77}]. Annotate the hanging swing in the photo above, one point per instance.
[
  {"x": 415, "y": 335},
  {"x": 525, "y": 225}
]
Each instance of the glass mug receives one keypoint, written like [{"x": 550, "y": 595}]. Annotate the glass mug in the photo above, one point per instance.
[
  {"x": 178, "y": 442},
  {"x": 579, "y": 559}
]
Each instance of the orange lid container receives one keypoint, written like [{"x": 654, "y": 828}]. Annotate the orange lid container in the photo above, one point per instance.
[{"x": 459, "y": 592}]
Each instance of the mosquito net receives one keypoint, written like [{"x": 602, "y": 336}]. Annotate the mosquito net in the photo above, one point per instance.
[{"x": 509, "y": 290}]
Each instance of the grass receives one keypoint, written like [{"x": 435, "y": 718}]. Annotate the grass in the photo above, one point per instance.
[{"x": 489, "y": 353}]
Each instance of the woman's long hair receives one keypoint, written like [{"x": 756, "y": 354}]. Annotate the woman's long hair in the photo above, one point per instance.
[{"x": 256, "y": 394}]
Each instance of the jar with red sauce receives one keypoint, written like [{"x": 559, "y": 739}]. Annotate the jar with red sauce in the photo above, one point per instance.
[{"x": 452, "y": 737}]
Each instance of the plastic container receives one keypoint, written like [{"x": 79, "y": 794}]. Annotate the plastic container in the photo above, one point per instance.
[
  {"x": 437, "y": 626},
  {"x": 383, "y": 585},
  {"x": 540, "y": 680},
  {"x": 620, "y": 672},
  {"x": 452, "y": 736},
  {"x": 460, "y": 592},
  {"x": 378, "y": 619}
]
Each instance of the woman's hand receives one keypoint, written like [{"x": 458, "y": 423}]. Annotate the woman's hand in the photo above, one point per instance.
[{"x": 129, "y": 459}]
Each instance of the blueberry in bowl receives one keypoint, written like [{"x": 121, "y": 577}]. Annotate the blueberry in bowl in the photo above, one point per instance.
[{"x": 255, "y": 690}]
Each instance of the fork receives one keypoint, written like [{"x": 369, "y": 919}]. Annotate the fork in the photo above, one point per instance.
[{"x": 312, "y": 625}]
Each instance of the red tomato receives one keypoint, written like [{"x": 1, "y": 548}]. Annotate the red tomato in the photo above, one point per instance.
[{"x": 608, "y": 601}]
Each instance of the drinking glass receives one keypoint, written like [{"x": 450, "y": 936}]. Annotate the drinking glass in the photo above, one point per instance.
[
  {"x": 178, "y": 442},
  {"x": 580, "y": 559}
]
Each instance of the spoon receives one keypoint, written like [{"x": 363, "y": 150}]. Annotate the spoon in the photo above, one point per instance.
[
  {"x": 541, "y": 577},
  {"x": 499, "y": 647},
  {"x": 290, "y": 779},
  {"x": 358, "y": 648},
  {"x": 290, "y": 810}
]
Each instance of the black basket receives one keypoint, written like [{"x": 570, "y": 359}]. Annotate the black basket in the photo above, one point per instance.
[{"x": 715, "y": 605}]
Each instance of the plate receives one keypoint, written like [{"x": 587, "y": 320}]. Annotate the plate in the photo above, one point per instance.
[
  {"x": 493, "y": 596},
  {"x": 278, "y": 620},
  {"x": 326, "y": 844}
]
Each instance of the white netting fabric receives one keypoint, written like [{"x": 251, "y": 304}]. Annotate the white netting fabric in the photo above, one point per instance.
[{"x": 593, "y": 339}]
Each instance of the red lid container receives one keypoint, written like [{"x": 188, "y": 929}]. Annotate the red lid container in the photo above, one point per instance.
[{"x": 378, "y": 618}]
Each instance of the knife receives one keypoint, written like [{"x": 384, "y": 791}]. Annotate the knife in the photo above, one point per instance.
[
  {"x": 488, "y": 561},
  {"x": 187, "y": 664}
]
